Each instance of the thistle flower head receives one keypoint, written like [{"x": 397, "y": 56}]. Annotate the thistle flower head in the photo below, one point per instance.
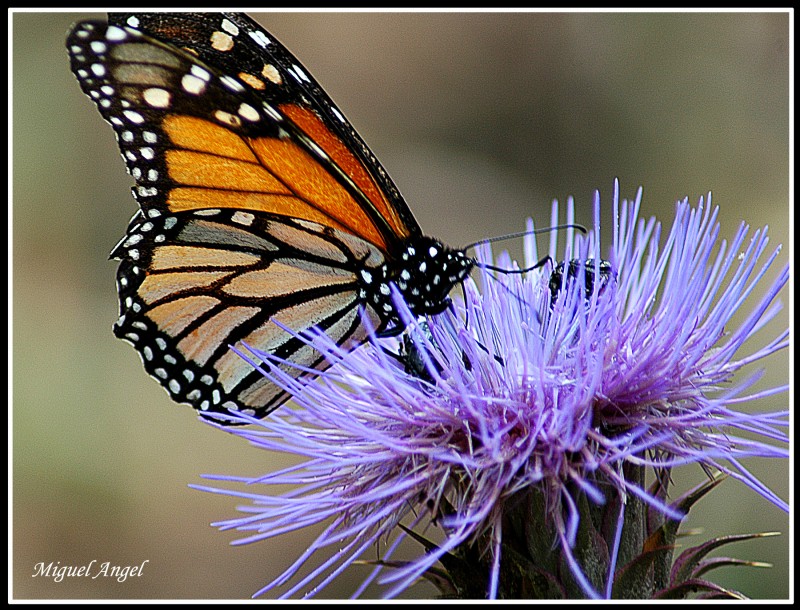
[{"x": 522, "y": 423}]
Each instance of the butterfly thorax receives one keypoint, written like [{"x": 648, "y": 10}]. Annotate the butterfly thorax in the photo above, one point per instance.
[{"x": 424, "y": 273}]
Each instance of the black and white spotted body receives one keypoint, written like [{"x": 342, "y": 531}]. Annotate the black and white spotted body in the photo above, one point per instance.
[{"x": 435, "y": 270}]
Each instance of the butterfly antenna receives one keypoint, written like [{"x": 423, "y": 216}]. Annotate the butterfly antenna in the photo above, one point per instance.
[
  {"x": 504, "y": 271},
  {"x": 540, "y": 263},
  {"x": 490, "y": 240}
]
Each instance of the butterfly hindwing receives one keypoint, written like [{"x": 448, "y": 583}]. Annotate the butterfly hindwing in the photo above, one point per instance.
[{"x": 234, "y": 274}]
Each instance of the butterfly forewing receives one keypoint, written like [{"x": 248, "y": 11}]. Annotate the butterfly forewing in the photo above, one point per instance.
[
  {"x": 195, "y": 138},
  {"x": 237, "y": 46}
]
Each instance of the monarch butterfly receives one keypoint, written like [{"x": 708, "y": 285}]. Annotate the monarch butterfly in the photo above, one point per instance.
[{"x": 258, "y": 203}]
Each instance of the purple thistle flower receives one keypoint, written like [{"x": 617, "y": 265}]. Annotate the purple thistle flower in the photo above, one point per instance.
[{"x": 526, "y": 438}]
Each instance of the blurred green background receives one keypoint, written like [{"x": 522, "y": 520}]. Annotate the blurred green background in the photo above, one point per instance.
[{"x": 481, "y": 119}]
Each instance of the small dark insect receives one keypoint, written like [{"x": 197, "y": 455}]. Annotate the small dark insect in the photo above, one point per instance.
[
  {"x": 411, "y": 355},
  {"x": 557, "y": 280}
]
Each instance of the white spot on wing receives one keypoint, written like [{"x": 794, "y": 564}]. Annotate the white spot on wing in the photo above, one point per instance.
[
  {"x": 201, "y": 73},
  {"x": 230, "y": 27},
  {"x": 246, "y": 111},
  {"x": 228, "y": 118},
  {"x": 232, "y": 84},
  {"x": 115, "y": 34},
  {"x": 260, "y": 39},
  {"x": 134, "y": 117},
  {"x": 298, "y": 73},
  {"x": 243, "y": 218},
  {"x": 157, "y": 97},
  {"x": 193, "y": 84},
  {"x": 221, "y": 41},
  {"x": 272, "y": 112},
  {"x": 338, "y": 114}
]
